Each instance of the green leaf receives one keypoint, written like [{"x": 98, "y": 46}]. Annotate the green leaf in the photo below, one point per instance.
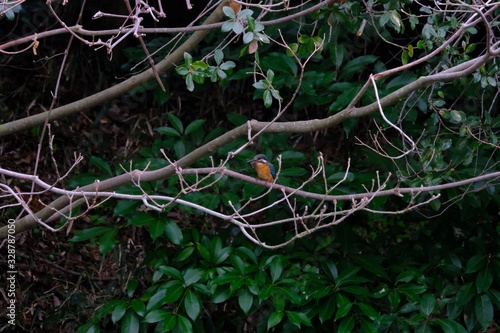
[
  {"x": 184, "y": 324},
  {"x": 141, "y": 219},
  {"x": 276, "y": 268},
  {"x": 156, "y": 228},
  {"x": 156, "y": 300},
  {"x": 290, "y": 294},
  {"x": 194, "y": 126},
  {"x": 330, "y": 270},
  {"x": 449, "y": 326},
  {"x": 107, "y": 240},
  {"x": 88, "y": 328},
  {"x": 89, "y": 233},
  {"x": 347, "y": 276},
  {"x": 138, "y": 306},
  {"x": 221, "y": 294},
  {"x": 248, "y": 37},
  {"x": 274, "y": 319},
  {"x": 229, "y": 12},
  {"x": 293, "y": 172},
  {"x": 475, "y": 263},
  {"x": 189, "y": 82},
  {"x": 227, "y": 65},
  {"x": 157, "y": 315},
  {"x": 192, "y": 304},
  {"x": 218, "y": 56},
  {"x": 465, "y": 294},
  {"x": 326, "y": 309},
  {"x": 368, "y": 326},
  {"x": 130, "y": 323},
  {"x": 169, "y": 131},
  {"x": 236, "y": 119},
  {"x": 172, "y": 272},
  {"x": 126, "y": 207},
  {"x": 233, "y": 197},
  {"x": 427, "y": 304},
  {"x": 173, "y": 232},
  {"x": 370, "y": 263},
  {"x": 131, "y": 287},
  {"x": 185, "y": 254},
  {"x": 369, "y": 312},
  {"x": 483, "y": 280},
  {"x": 268, "y": 98},
  {"x": 484, "y": 310},
  {"x": 180, "y": 149},
  {"x": 343, "y": 306},
  {"x": 495, "y": 296},
  {"x": 188, "y": 59},
  {"x": 238, "y": 28},
  {"x": 298, "y": 318},
  {"x": 245, "y": 300},
  {"x": 175, "y": 289},
  {"x": 192, "y": 275},
  {"x": 227, "y": 26},
  {"x": 101, "y": 164},
  {"x": 118, "y": 311},
  {"x": 346, "y": 325},
  {"x": 356, "y": 66}
]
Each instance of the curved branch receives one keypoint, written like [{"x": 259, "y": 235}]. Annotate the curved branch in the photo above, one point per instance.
[
  {"x": 47, "y": 213},
  {"x": 115, "y": 91}
]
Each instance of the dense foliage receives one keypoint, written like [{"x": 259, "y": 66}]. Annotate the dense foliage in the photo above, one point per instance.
[{"x": 434, "y": 268}]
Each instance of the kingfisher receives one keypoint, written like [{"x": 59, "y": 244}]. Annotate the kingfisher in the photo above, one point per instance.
[{"x": 265, "y": 170}]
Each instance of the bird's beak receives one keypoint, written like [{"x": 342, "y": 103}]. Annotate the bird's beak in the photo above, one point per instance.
[{"x": 250, "y": 161}]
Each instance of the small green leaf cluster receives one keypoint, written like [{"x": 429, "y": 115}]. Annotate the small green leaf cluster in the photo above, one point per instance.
[
  {"x": 197, "y": 71},
  {"x": 269, "y": 92},
  {"x": 180, "y": 139},
  {"x": 236, "y": 21},
  {"x": 9, "y": 10}
]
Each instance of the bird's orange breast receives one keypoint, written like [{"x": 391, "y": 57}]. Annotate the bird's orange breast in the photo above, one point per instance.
[{"x": 264, "y": 172}]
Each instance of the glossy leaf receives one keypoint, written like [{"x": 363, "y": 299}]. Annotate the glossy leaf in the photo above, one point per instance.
[
  {"x": 118, "y": 311},
  {"x": 326, "y": 309},
  {"x": 298, "y": 318},
  {"x": 184, "y": 324},
  {"x": 130, "y": 323},
  {"x": 427, "y": 304},
  {"x": 484, "y": 279},
  {"x": 192, "y": 304},
  {"x": 369, "y": 311},
  {"x": 484, "y": 310},
  {"x": 475, "y": 263},
  {"x": 245, "y": 300},
  {"x": 274, "y": 319},
  {"x": 157, "y": 315},
  {"x": 343, "y": 306},
  {"x": 346, "y": 325},
  {"x": 173, "y": 232}
]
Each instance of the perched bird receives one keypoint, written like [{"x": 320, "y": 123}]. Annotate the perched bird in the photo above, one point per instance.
[{"x": 265, "y": 170}]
